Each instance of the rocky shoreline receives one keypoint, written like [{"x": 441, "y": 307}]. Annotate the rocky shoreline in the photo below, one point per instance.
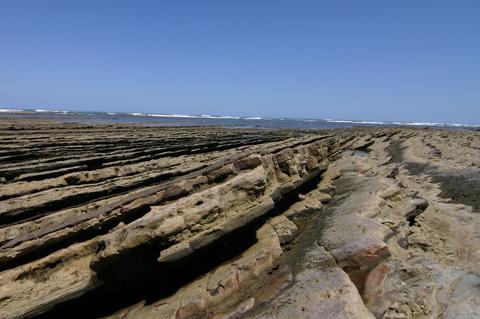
[{"x": 133, "y": 221}]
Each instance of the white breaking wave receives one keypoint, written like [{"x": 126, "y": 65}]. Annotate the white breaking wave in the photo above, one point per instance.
[
  {"x": 174, "y": 115},
  {"x": 464, "y": 125},
  {"x": 51, "y": 111},
  {"x": 203, "y": 116},
  {"x": 439, "y": 124},
  {"x": 36, "y": 111},
  {"x": 11, "y": 111},
  {"x": 424, "y": 124},
  {"x": 404, "y": 123},
  {"x": 228, "y": 117},
  {"x": 355, "y": 122},
  {"x": 61, "y": 112}
]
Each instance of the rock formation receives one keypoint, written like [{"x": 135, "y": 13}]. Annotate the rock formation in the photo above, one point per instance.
[{"x": 132, "y": 221}]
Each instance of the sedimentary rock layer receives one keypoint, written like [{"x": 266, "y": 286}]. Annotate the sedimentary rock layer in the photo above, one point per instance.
[{"x": 131, "y": 221}]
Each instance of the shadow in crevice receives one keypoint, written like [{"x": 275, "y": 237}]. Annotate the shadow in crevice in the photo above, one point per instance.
[
  {"x": 79, "y": 236},
  {"x": 137, "y": 276},
  {"x": 461, "y": 186}
]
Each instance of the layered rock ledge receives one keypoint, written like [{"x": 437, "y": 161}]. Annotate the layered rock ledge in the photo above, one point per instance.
[{"x": 131, "y": 221}]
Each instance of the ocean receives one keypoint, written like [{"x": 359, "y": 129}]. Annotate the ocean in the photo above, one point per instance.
[{"x": 205, "y": 120}]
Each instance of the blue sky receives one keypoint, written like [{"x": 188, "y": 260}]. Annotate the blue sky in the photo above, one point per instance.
[{"x": 372, "y": 60}]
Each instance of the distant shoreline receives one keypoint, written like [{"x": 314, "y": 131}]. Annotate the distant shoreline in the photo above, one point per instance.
[{"x": 213, "y": 120}]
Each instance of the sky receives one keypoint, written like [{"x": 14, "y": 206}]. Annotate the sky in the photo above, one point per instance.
[{"x": 364, "y": 60}]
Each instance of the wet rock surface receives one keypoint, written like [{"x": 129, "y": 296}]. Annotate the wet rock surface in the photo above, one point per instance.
[{"x": 131, "y": 221}]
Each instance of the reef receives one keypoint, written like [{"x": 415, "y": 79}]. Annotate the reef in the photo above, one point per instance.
[{"x": 135, "y": 221}]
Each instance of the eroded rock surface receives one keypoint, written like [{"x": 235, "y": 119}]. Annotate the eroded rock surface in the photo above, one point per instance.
[{"x": 122, "y": 221}]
